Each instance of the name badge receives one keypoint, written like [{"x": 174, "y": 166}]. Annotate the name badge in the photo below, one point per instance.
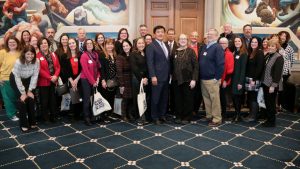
[
  {"x": 205, "y": 53},
  {"x": 41, "y": 58},
  {"x": 237, "y": 56},
  {"x": 75, "y": 60},
  {"x": 90, "y": 61}
]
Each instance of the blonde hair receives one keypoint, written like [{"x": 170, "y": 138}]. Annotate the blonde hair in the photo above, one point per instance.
[
  {"x": 274, "y": 42},
  {"x": 109, "y": 41}
]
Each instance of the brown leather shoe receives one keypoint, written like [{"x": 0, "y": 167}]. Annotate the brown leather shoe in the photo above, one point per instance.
[{"x": 213, "y": 124}]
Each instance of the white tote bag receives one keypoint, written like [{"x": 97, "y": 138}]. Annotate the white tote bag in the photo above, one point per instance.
[
  {"x": 141, "y": 100},
  {"x": 118, "y": 106},
  {"x": 65, "y": 102},
  {"x": 99, "y": 104},
  {"x": 260, "y": 98}
]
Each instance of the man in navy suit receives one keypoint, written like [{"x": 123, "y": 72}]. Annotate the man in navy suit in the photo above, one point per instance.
[{"x": 158, "y": 62}]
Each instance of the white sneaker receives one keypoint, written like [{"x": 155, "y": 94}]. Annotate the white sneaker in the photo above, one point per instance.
[{"x": 14, "y": 118}]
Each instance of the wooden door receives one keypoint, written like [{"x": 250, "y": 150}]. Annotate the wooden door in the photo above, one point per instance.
[
  {"x": 159, "y": 12},
  {"x": 189, "y": 16},
  {"x": 184, "y": 16}
]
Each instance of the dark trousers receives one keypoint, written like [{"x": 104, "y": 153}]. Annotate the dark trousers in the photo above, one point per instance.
[
  {"x": 237, "y": 101},
  {"x": 270, "y": 101},
  {"x": 135, "y": 92},
  {"x": 252, "y": 103},
  {"x": 26, "y": 108},
  {"x": 184, "y": 100},
  {"x": 223, "y": 100},
  {"x": 197, "y": 97},
  {"x": 87, "y": 91},
  {"x": 171, "y": 105},
  {"x": 48, "y": 101},
  {"x": 282, "y": 95},
  {"x": 127, "y": 109},
  {"x": 159, "y": 100}
]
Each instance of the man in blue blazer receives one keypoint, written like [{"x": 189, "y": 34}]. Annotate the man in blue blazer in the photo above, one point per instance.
[{"x": 158, "y": 62}]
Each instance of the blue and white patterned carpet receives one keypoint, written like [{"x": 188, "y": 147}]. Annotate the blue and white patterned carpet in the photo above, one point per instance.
[{"x": 125, "y": 145}]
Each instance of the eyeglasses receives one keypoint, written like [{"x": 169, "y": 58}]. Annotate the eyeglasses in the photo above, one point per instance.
[{"x": 182, "y": 38}]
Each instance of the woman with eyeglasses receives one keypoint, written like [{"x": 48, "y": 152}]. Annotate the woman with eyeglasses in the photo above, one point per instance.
[
  {"x": 184, "y": 75},
  {"x": 122, "y": 35},
  {"x": 90, "y": 76},
  {"x": 8, "y": 57},
  {"x": 48, "y": 76}
]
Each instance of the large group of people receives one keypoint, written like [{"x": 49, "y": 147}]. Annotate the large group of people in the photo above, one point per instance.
[{"x": 177, "y": 75}]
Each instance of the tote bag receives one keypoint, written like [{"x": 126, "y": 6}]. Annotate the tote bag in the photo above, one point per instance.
[
  {"x": 141, "y": 100},
  {"x": 260, "y": 98},
  {"x": 118, "y": 106},
  {"x": 99, "y": 104},
  {"x": 65, "y": 102}
]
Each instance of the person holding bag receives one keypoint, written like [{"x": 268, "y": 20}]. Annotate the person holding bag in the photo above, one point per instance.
[
  {"x": 70, "y": 73},
  {"x": 184, "y": 76},
  {"x": 89, "y": 77},
  {"x": 255, "y": 66},
  {"x": 23, "y": 80},
  {"x": 48, "y": 76},
  {"x": 109, "y": 82},
  {"x": 124, "y": 78},
  {"x": 139, "y": 73}
]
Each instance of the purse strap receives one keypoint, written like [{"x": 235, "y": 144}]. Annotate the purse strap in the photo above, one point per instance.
[{"x": 141, "y": 87}]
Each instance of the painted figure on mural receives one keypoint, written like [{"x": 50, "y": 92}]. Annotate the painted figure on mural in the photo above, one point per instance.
[
  {"x": 251, "y": 7},
  {"x": 87, "y": 12},
  {"x": 64, "y": 7},
  {"x": 14, "y": 11}
]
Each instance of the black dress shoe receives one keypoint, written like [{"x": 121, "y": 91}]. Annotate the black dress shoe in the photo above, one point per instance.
[
  {"x": 185, "y": 122},
  {"x": 163, "y": 120},
  {"x": 87, "y": 122},
  {"x": 177, "y": 121},
  {"x": 268, "y": 124},
  {"x": 157, "y": 122}
]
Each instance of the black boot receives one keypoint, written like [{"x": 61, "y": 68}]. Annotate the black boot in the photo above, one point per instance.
[
  {"x": 253, "y": 112},
  {"x": 87, "y": 121}
]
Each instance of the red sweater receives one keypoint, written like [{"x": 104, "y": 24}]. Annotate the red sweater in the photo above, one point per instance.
[
  {"x": 228, "y": 67},
  {"x": 89, "y": 66},
  {"x": 44, "y": 75}
]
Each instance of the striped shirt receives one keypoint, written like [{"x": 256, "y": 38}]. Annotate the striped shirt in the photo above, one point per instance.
[{"x": 24, "y": 71}]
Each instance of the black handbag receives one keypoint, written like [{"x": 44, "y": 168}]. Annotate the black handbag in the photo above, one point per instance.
[{"x": 61, "y": 88}]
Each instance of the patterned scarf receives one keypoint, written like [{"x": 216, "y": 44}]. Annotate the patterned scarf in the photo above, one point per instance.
[{"x": 50, "y": 62}]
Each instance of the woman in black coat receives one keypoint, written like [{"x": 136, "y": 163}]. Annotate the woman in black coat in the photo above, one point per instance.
[
  {"x": 254, "y": 70},
  {"x": 272, "y": 80},
  {"x": 70, "y": 73},
  {"x": 184, "y": 76},
  {"x": 238, "y": 78},
  {"x": 138, "y": 65}
]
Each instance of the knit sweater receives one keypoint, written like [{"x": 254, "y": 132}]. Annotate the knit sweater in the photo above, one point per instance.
[
  {"x": 7, "y": 62},
  {"x": 211, "y": 62}
]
